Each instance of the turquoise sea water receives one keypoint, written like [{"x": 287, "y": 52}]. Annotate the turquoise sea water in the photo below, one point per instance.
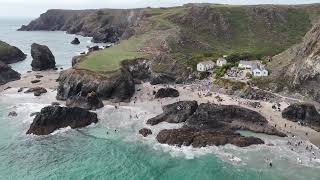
[
  {"x": 92, "y": 153},
  {"x": 112, "y": 149}
]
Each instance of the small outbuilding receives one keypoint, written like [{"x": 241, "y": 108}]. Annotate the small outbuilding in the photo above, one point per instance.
[
  {"x": 221, "y": 62},
  {"x": 205, "y": 66}
]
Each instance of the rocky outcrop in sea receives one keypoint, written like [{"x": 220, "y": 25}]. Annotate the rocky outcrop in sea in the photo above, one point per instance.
[
  {"x": 52, "y": 118},
  {"x": 43, "y": 58},
  {"x": 10, "y": 54},
  {"x": 75, "y": 41},
  {"x": 7, "y": 74},
  {"x": 211, "y": 124}
]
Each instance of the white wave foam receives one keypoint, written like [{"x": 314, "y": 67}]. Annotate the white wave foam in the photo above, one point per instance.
[{"x": 61, "y": 130}]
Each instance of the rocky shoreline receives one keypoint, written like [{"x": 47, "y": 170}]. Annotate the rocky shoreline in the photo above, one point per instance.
[{"x": 211, "y": 124}]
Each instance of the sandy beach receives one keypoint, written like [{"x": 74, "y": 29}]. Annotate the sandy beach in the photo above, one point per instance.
[
  {"x": 144, "y": 98},
  {"x": 47, "y": 80}
]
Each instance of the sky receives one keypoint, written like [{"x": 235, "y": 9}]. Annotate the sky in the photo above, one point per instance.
[{"x": 33, "y": 8}]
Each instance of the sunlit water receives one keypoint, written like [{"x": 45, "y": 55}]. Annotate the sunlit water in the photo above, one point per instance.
[{"x": 113, "y": 149}]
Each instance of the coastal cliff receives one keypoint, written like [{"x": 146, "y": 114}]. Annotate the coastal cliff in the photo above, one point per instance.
[
  {"x": 103, "y": 25},
  {"x": 297, "y": 69}
]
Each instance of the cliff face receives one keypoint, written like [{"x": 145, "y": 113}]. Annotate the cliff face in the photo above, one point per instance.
[
  {"x": 299, "y": 66},
  {"x": 118, "y": 87},
  {"x": 204, "y": 26},
  {"x": 103, "y": 25}
]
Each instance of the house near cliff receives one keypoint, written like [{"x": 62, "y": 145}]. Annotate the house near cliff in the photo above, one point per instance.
[
  {"x": 221, "y": 62},
  {"x": 257, "y": 69},
  {"x": 205, "y": 66}
]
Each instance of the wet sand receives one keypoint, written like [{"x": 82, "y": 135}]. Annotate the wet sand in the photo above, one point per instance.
[{"x": 48, "y": 80}]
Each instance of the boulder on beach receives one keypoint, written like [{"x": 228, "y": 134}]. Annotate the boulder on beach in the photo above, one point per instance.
[
  {"x": 75, "y": 41},
  {"x": 35, "y": 81},
  {"x": 43, "y": 58},
  {"x": 304, "y": 113},
  {"x": 10, "y": 54},
  {"x": 175, "y": 113},
  {"x": 167, "y": 92},
  {"x": 89, "y": 101},
  {"x": 52, "y": 118},
  {"x": 37, "y": 91},
  {"x": 145, "y": 132},
  {"x": 7, "y": 74},
  {"x": 211, "y": 124}
]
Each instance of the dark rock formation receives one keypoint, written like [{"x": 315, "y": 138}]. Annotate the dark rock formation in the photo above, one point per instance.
[
  {"x": 89, "y": 101},
  {"x": 10, "y": 54},
  {"x": 7, "y": 74},
  {"x": 304, "y": 113},
  {"x": 43, "y": 58},
  {"x": 117, "y": 87},
  {"x": 35, "y": 81},
  {"x": 196, "y": 138},
  {"x": 13, "y": 114},
  {"x": 38, "y": 91},
  {"x": 52, "y": 118},
  {"x": 75, "y": 41},
  {"x": 167, "y": 92},
  {"x": 145, "y": 132},
  {"x": 105, "y": 25},
  {"x": 211, "y": 124},
  {"x": 175, "y": 113}
]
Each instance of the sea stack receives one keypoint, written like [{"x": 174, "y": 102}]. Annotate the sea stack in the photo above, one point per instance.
[
  {"x": 43, "y": 58},
  {"x": 10, "y": 54},
  {"x": 75, "y": 41}
]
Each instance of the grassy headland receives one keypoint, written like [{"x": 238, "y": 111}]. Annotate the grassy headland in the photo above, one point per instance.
[{"x": 194, "y": 33}]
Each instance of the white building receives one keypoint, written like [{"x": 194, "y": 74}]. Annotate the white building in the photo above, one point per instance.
[
  {"x": 245, "y": 64},
  {"x": 221, "y": 62},
  {"x": 259, "y": 70},
  {"x": 205, "y": 66}
]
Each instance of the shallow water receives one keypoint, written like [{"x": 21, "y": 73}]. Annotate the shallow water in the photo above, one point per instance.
[
  {"x": 100, "y": 152},
  {"x": 57, "y": 41}
]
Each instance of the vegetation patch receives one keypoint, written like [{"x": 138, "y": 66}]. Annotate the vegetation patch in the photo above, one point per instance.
[{"x": 108, "y": 60}]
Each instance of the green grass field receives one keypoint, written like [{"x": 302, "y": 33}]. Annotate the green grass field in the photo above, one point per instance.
[{"x": 108, "y": 60}]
